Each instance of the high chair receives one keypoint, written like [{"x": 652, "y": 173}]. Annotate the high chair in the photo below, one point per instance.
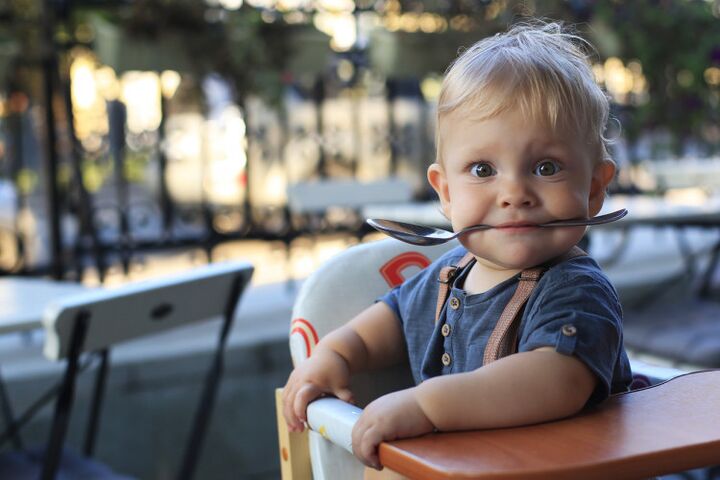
[{"x": 669, "y": 427}]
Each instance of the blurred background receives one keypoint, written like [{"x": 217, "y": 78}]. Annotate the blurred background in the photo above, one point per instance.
[
  {"x": 139, "y": 137},
  {"x": 136, "y": 125}
]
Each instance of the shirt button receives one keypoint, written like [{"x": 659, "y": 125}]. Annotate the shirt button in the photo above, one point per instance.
[
  {"x": 569, "y": 330},
  {"x": 445, "y": 330},
  {"x": 446, "y": 360},
  {"x": 454, "y": 303}
]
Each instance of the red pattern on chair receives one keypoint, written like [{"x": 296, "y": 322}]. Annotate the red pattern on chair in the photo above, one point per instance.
[
  {"x": 392, "y": 270},
  {"x": 302, "y": 327}
]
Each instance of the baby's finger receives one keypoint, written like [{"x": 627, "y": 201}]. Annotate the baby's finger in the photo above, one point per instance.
[
  {"x": 290, "y": 418},
  {"x": 304, "y": 395},
  {"x": 366, "y": 450},
  {"x": 356, "y": 435},
  {"x": 345, "y": 395},
  {"x": 289, "y": 389}
]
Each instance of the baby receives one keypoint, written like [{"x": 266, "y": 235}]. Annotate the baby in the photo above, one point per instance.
[{"x": 520, "y": 143}]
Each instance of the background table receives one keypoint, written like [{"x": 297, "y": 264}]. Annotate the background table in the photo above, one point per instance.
[{"x": 23, "y": 301}]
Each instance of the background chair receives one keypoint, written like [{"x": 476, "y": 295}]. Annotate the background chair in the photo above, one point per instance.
[
  {"x": 350, "y": 282},
  {"x": 96, "y": 320}
]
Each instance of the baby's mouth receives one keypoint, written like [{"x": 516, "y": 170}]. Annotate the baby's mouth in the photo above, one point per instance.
[{"x": 516, "y": 226}]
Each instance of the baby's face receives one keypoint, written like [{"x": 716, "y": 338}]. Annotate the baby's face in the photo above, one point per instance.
[{"x": 514, "y": 173}]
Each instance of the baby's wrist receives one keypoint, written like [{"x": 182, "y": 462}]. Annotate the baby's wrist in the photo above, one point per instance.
[
  {"x": 424, "y": 395},
  {"x": 421, "y": 408},
  {"x": 329, "y": 355}
]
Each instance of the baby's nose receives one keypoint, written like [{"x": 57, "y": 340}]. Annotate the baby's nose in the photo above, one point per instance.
[{"x": 517, "y": 194}]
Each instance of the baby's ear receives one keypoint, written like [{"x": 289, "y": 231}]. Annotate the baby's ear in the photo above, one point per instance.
[
  {"x": 603, "y": 174},
  {"x": 438, "y": 180}
]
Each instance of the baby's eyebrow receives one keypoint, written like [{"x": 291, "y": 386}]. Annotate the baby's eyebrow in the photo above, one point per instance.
[
  {"x": 552, "y": 148},
  {"x": 481, "y": 152},
  {"x": 549, "y": 143}
]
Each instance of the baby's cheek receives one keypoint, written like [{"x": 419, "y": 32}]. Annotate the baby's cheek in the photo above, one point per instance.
[
  {"x": 571, "y": 208},
  {"x": 566, "y": 237},
  {"x": 467, "y": 219},
  {"x": 473, "y": 242}
]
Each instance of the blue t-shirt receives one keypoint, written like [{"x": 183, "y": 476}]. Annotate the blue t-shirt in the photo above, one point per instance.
[{"x": 574, "y": 308}]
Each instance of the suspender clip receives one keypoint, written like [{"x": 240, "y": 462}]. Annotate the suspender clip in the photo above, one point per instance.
[{"x": 447, "y": 275}]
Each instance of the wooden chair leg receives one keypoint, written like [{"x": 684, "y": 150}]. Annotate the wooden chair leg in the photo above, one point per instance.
[{"x": 294, "y": 449}]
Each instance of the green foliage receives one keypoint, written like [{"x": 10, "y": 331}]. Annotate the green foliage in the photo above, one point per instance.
[
  {"x": 238, "y": 45},
  {"x": 676, "y": 41},
  {"x": 257, "y": 54}
]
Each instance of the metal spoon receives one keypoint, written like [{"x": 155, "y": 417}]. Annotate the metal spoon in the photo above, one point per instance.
[{"x": 427, "y": 236}]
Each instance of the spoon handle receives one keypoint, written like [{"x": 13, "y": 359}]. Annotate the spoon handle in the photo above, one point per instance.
[
  {"x": 425, "y": 236},
  {"x": 599, "y": 220}
]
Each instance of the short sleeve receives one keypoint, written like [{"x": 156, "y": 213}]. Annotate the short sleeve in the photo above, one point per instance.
[
  {"x": 391, "y": 299},
  {"x": 579, "y": 317},
  {"x": 420, "y": 291},
  {"x": 413, "y": 292}
]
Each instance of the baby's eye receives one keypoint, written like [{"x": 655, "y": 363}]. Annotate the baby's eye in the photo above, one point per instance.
[
  {"x": 546, "y": 168},
  {"x": 482, "y": 170}
]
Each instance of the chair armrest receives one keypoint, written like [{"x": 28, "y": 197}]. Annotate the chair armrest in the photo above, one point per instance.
[{"x": 334, "y": 420}]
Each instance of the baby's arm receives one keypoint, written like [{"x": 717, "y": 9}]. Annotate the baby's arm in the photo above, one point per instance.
[
  {"x": 520, "y": 389},
  {"x": 373, "y": 339}
]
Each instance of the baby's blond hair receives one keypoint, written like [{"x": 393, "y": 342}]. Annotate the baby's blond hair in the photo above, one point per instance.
[{"x": 537, "y": 67}]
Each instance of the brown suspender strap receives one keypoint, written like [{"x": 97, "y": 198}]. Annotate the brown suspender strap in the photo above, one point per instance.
[
  {"x": 503, "y": 339},
  {"x": 446, "y": 277}
]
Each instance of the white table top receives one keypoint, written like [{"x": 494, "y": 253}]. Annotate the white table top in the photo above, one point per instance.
[
  {"x": 641, "y": 210},
  {"x": 23, "y": 301}
]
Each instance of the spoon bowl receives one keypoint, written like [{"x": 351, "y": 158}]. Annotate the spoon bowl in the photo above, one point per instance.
[{"x": 426, "y": 236}]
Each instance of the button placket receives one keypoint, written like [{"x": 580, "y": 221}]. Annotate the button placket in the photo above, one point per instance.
[
  {"x": 446, "y": 359},
  {"x": 454, "y": 312},
  {"x": 454, "y": 303},
  {"x": 446, "y": 330}
]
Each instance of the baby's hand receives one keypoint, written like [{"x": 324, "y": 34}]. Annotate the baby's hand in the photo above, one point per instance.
[
  {"x": 392, "y": 416},
  {"x": 324, "y": 372}
]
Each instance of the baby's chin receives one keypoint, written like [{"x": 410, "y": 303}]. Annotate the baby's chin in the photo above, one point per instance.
[
  {"x": 517, "y": 263},
  {"x": 516, "y": 258},
  {"x": 520, "y": 253}
]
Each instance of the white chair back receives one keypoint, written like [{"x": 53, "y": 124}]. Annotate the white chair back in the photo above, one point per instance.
[
  {"x": 332, "y": 295},
  {"x": 142, "y": 308}
]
